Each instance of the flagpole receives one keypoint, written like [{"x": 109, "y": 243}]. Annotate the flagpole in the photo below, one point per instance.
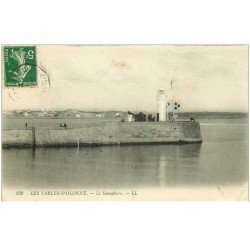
[
  {"x": 171, "y": 85},
  {"x": 173, "y": 110},
  {"x": 167, "y": 113}
]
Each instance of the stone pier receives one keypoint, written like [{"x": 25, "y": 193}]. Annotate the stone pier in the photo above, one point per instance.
[{"x": 106, "y": 133}]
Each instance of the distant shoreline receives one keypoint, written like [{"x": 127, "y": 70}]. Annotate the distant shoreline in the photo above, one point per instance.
[{"x": 184, "y": 115}]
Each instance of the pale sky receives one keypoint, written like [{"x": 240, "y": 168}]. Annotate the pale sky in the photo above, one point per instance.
[{"x": 101, "y": 78}]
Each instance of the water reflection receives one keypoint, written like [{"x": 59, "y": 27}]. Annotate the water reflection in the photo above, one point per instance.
[
  {"x": 179, "y": 165},
  {"x": 137, "y": 166}
]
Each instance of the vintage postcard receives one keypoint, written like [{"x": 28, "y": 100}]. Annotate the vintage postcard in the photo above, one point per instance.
[{"x": 124, "y": 122}]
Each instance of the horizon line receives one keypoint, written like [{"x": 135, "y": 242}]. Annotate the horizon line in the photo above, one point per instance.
[{"x": 3, "y": 110}]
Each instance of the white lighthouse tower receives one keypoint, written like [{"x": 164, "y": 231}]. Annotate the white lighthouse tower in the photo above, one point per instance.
[{"x": 162, "y": 103}]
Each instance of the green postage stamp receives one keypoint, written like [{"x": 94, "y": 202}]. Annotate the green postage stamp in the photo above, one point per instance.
[{"x": 20, "y": 66}]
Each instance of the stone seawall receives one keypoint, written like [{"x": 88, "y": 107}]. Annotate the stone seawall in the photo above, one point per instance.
[{"x": 106, "y": 133}]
